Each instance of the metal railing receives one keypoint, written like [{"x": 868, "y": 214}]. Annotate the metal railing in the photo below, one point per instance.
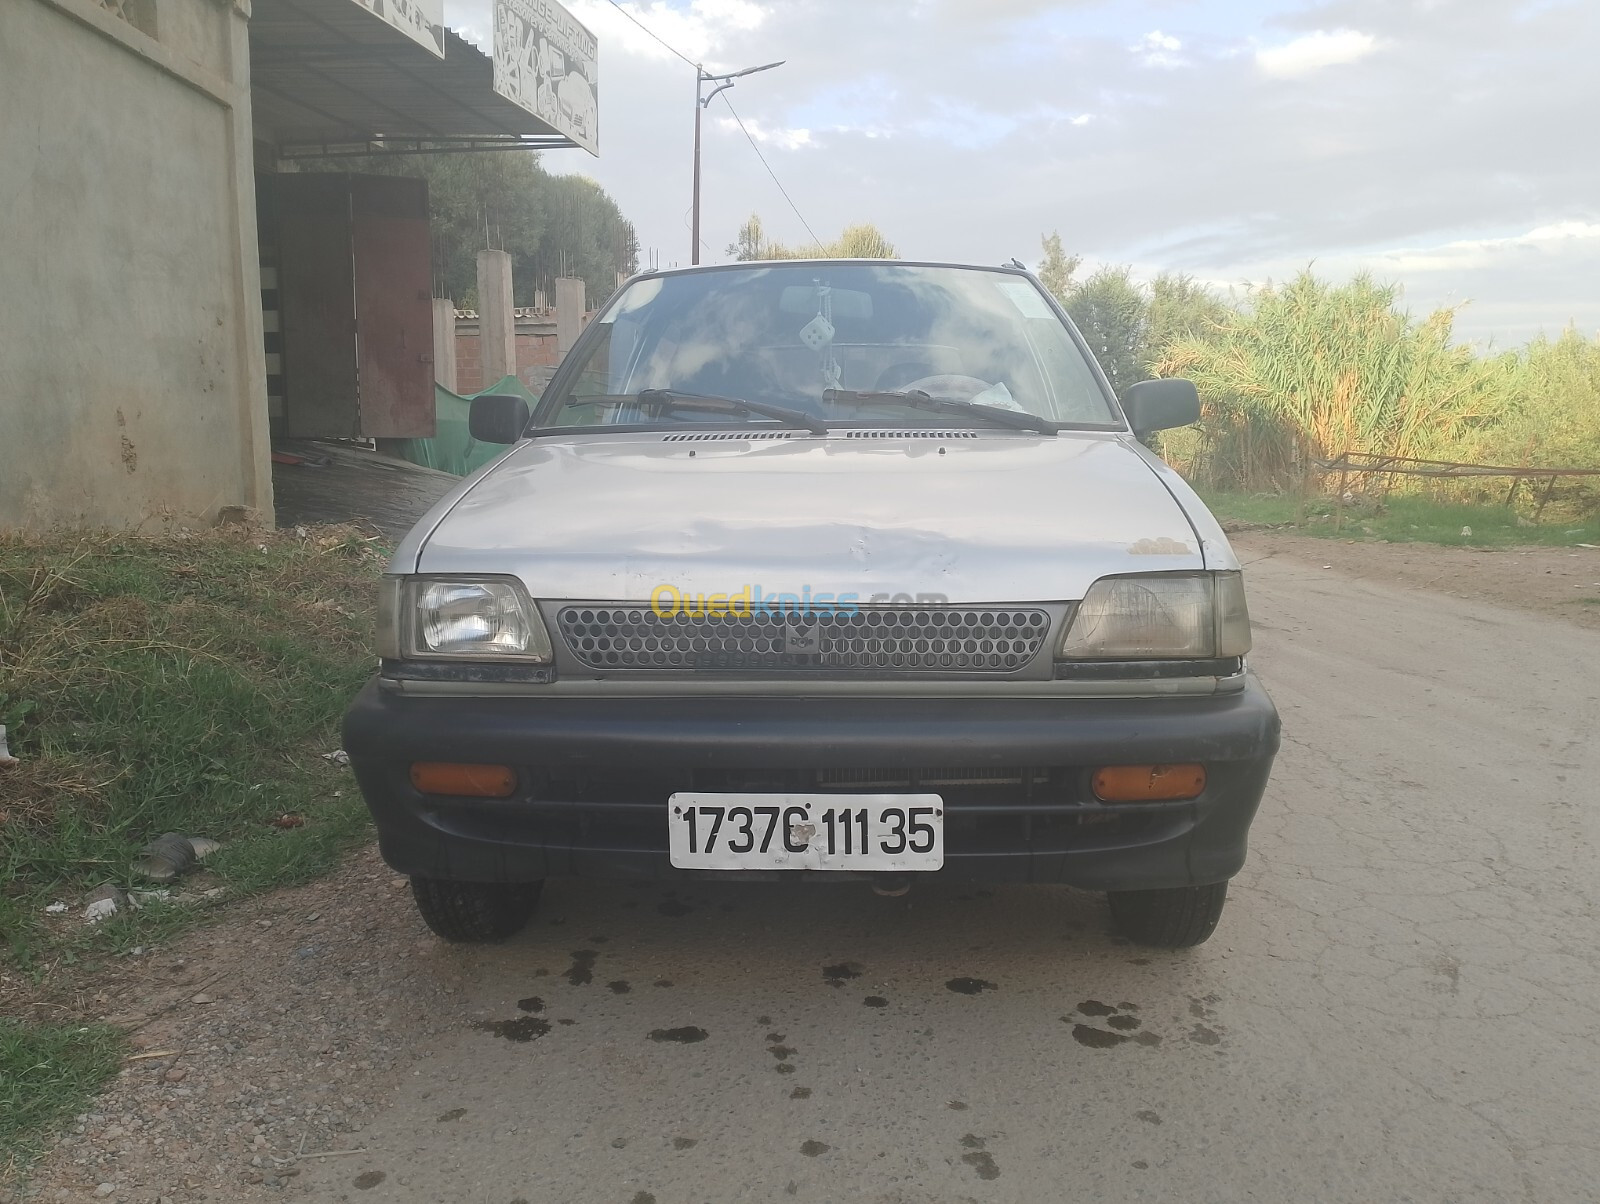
[{"x": 1366, "y": 465}]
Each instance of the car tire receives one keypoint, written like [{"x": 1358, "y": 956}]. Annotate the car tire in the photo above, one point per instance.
[
  {"x": 1177, "y": 918},
  {"x": 474, "y": 913}
]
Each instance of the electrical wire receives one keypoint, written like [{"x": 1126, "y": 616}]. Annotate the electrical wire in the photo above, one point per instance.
[
  {"x": 737, "y": 119},
  {"x": 687, "y": 225},
  {"x": 770, "y": 172},
  {"x": 655, "y": 35}
]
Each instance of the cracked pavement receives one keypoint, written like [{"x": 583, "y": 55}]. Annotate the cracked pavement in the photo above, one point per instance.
[{"x": 1402, "y": 1002}]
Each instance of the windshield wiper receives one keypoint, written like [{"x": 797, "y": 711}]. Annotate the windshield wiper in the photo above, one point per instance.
[
  {"x": 916, "y": 399},
  {"x": 669, "y": 400}
]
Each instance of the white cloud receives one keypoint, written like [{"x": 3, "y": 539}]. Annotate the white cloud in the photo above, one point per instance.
[
  {"x": 1484, "y": 252},
  {"x": 1315, "y": 51},
  {"x": 696, "y": 30},
  {"x": 1507, "y": 289},
  {"x": 880, "y": 130},
  {"x": 1157, "y": 49},
  {"x": 787, "y": 139}
]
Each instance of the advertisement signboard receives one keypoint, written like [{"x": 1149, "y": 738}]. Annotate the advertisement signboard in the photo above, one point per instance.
[
  {"x": 546, "y": 61},
  {"x": 420, "y": 20}
]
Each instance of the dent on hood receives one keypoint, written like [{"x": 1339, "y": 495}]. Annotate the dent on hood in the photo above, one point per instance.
[
  {"x": 1159, "y": 547},
  {"x": 1215, "y": 550}
]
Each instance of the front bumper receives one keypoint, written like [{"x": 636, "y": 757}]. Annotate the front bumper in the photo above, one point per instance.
[{"x": 595, "y": 774}]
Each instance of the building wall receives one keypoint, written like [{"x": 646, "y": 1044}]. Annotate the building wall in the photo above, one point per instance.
[
  {"x": 132, "y": 382},
  {"x": 537, "y": 352}
]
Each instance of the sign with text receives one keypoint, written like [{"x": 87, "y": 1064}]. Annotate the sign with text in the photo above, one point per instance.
[
  {"x": 420, "y": 20},
  {"x": 547, "y": 62}
]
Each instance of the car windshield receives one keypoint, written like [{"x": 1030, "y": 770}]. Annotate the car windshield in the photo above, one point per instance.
[{"x": 847, "y": 343}]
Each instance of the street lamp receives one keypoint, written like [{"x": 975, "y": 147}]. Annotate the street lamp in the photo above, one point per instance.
[{"x": 723, "y": 82}]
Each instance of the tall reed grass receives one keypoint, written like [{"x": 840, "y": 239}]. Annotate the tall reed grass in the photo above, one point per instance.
[{"x": 1308, "y": 369}]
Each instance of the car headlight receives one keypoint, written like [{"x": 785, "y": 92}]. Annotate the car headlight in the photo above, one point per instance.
[
  {"x": 471, "y": 619},
  {"x": 1160, "y": 616}
]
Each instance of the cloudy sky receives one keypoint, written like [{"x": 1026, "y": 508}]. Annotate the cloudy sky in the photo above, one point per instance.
[{"x": 1450, "y": 145}]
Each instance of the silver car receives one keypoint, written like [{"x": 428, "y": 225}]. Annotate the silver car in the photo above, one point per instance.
[{"x": 823, "y": 569}]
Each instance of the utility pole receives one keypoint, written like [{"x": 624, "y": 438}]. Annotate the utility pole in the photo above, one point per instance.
[{"x": 701, "y": 99}]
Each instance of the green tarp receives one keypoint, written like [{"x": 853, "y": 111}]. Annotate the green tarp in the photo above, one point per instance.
[{"x": 452, "y": 449}]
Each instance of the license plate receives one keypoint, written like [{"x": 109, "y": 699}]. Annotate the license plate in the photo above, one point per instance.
[{"x": 806, "y": 831}]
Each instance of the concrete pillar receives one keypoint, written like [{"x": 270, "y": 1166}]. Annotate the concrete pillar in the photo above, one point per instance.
[
  {"x": 444, "y": 342},
  {"x": 255, "y": 446},
  {"x": 569, "y": 312},
  {"x": 497, "y": 324}
]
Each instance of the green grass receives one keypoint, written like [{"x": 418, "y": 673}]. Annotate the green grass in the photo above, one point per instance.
[
  {"x": 188, "y": 683},
  {"x": 179, "y": 684},
  {"x": 1403, "y": 519},
  {"x": 47, "y": 1074}
]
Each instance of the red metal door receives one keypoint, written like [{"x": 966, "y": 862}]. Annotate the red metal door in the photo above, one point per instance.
[
  {"x": 393, "y": 306},
  {"x": 316, "y": 287}
]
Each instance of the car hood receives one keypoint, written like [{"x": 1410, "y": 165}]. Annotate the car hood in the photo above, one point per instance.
[{"x": 974, "y": 517}]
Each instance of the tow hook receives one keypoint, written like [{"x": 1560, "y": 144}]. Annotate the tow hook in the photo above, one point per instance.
[{"x": 891, "y": 886}]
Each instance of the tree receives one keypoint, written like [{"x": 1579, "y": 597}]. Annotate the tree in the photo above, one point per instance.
[
  {"x": 1112, "y": 314},
  {"x": 1180, "y": 308},
  {"x": 1129, "y": 325},
  {"x": 585, "y": 236},
  {"x": 751, "y": 243},
  {"x": 1055, "y": 272},
  {"x": 863, "y": 241}
]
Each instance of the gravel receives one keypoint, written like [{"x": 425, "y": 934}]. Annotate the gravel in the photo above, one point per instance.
[{"x": 259, "y": 1042}]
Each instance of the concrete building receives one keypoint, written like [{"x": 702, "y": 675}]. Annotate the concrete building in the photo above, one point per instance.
[{"x": 136, "y": 138}]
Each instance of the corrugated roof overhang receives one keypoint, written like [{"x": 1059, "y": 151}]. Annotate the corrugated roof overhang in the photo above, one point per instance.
[{"x": 329, "y": 77}]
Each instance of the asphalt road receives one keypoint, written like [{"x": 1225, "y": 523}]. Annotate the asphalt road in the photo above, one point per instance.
[{"x": 1402, "y": 1002}]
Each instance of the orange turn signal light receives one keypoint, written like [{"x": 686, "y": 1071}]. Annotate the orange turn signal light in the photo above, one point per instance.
[
  {"x": 1148, "y": 783},
  {"x": 478, "y": 781}
]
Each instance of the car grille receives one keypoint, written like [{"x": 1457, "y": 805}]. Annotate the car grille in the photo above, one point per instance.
[{"x": 885, "y": 638}]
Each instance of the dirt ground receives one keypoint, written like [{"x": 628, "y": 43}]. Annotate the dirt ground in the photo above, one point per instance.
[
  {"x": 1560, "y": 582},
  {"x": 268, "y": 1043},
  {"x": 255, "y": 1048}
]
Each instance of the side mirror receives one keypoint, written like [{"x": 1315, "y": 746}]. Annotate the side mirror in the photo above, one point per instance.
[
  {"x": 1159, "y": 405},
  {"x": 497, "y": 418}
]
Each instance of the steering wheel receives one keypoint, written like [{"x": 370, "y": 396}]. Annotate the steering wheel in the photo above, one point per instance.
[{"x": 949, "y": 386}]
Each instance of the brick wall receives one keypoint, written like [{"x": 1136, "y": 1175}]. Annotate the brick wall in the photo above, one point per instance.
[{"x": 536, "y": 349}]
